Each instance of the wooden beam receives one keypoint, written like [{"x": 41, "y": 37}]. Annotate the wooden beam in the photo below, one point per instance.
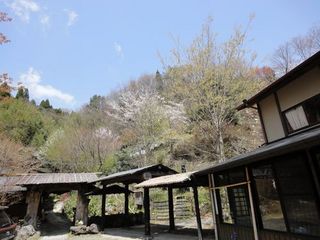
[
  {"x": 214, "y": 207},
  {"x": 103, "y": 206},
  {"x": 198, "y": 216},
  {"x": 283, "y": 121},
  {"x": 262, "y": 124},
  {"x": 126, "y": 200},
  {"x": 82, "y": 207},
  {"x": 33, "y": 201},
  {"x": 146, "y": 205},
  {"x": 171, "y": 209},
  {"x": 103, "y": 202}
]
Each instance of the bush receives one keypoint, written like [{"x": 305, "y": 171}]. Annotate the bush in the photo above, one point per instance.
[{"x": 69, "y": 204}]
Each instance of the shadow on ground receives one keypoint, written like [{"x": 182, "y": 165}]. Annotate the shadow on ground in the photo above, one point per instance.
[
  {"x": 55, "y": 224},
  {"x": 159, "y": 232}
]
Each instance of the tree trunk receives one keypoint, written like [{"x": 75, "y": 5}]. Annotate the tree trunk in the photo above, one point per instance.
[
  {"x": 33, "y": 201},
  {"x": 82, "y": 207},
  {"x": 222, "y": 156}
]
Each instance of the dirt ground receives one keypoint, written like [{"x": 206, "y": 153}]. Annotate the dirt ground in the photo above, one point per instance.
[
  {"x": 56, "y": 227},
  {"x": 127, "y": 234}
]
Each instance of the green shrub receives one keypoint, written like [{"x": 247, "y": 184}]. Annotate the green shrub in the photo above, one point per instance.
[{"x": 70, "y": 204}]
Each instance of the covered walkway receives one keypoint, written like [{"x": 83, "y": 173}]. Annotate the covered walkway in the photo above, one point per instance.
[
  {"x": 126, "y": 178},
  {"x": 181, "y": 180},
  {"x": 38, "y": 186}
]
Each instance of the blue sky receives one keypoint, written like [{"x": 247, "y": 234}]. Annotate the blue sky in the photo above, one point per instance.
[{"x": 68, "y": 51}]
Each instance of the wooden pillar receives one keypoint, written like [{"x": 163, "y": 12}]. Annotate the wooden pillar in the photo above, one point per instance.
[
  {"x": 103, "y": 206},
  {"x": 171, "y": 210},
  {"x": 126, "y": 200},
  {"x": 146, "y": 205},
  {"x": 197, "y": 209},
  {"x": 82, "y": 207},
  {"x": 253, "y": 215},
  {"x": 103, "y": 202},
  {"x": 33, "y": 201},
  {"x": 214, "y": 207}
]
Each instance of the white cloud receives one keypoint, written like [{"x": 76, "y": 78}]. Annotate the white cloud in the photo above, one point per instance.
[
  {"x": 32, "y": 80},
  {"x": 23, "y": 8},
  {"x": 72, "y": 17},
  {"x": 45, "y": 20},
  {"x": 118, "y": 49}
]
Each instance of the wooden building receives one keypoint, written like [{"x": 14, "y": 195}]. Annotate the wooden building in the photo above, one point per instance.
[
  {"x": 39, "y": 185},
  {"x": 127, "y": 178},
  {"x": 273, "y": 192}
]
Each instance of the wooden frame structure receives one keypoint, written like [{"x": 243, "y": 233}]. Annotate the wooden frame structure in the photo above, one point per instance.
[
  {"x": 42, "y": 184},
  {"x": 180, "y": 180},
  {"x": 132, "y": 176},
  {"x": 293, "y": 228}
]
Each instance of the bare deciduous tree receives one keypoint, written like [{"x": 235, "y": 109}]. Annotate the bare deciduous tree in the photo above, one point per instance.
[
  {"x": 283, "y": 59},
  {"x": 296, "y": 50},
  {"x": 14, "y": 159}
]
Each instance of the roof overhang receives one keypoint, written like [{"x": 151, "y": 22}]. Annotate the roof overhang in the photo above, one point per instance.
[
  {"x": 136, "y": 175},
  {"x": 294, "y": 143},
  {"x": 310, "y": 63}
]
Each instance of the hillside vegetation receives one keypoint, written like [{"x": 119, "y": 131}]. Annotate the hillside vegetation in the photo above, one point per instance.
[{"x": 183, "y": 116}]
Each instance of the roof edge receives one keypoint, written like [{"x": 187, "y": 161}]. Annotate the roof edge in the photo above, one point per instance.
[{"x": 303, "y": 67}]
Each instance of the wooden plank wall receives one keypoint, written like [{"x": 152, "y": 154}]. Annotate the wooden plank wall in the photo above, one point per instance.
[{"x": 232, "y": 232}]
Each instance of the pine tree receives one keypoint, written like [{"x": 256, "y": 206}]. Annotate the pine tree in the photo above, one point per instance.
[
  {"x": 22, "y": 93},
  {"x": 45, "y": 104},
  {"x": 159, "y": 82}
]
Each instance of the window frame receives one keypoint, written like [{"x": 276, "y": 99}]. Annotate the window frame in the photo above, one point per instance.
[
  {"x": 232, "y": 205},
  {"x": 272, "y": 161},
  {"x": 230, "y": 184},
  {"x": 286, "y": 123},
  {"x": 257, "y": 201}
]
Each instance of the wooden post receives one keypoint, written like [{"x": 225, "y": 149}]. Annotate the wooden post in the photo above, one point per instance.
[
  {"x": 33, "y": 201},
  {"x": 171, "y": 210},
  {"x": 146, "y": 205},
  {"x": 213, "y": 205},
  {"x": 103, "y": 206},
  {"x": 197, "y": 209},
  {"x": 126, "y": 200},
  {"x": 82, "y": 207},
  {"x": 253, "y": 215}
]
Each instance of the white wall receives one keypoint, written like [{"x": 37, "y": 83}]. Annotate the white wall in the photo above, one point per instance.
[
  {"x": 304, "y": 87},
  {"x": 271, "y": 118}
]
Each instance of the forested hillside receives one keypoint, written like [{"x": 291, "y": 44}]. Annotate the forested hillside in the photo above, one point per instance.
[{"x": 182, "y": 115}]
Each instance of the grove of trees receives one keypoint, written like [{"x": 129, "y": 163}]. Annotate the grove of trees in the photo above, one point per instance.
[{"x": 182, "y": 115}]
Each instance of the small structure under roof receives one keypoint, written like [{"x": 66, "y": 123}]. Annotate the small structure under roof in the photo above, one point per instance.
[
  {"x": 41, "y": 184},
  {"x": 128, "y": 177},
  {"x": 179, "y": 180}
]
